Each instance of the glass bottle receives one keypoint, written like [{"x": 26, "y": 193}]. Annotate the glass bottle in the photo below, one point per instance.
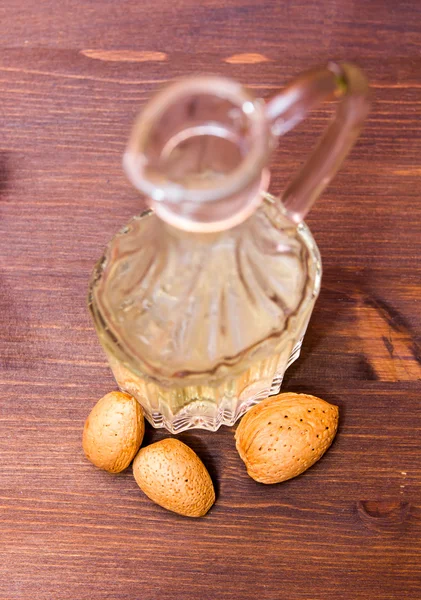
[{"x": 202, "y": 302}]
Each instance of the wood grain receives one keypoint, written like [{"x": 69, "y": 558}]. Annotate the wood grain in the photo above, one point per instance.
[{"x": 73, "y": 76}]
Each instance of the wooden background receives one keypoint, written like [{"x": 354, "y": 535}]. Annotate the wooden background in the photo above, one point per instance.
[{"x": 72, "y": 77}]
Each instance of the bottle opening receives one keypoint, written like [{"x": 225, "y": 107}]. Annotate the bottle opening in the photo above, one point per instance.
[
  {"x": 201, "y": 156},
  {"x": 198, "y": 142}
]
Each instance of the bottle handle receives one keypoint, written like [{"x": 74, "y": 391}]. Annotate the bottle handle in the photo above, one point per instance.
[{"x": 343, "y": 81}]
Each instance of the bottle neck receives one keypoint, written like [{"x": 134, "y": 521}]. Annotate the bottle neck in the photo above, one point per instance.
[
  {"x": 187, "y": 241},
  {"x": 202, "y": 217}
]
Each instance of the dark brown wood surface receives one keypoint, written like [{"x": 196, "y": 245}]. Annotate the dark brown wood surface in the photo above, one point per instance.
[{"x": 72, "y": 77}]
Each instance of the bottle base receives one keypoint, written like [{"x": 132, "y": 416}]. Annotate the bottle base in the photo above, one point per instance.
[
  {"x": 194, "y": 416},
  {"x": 203, "y": 407}
]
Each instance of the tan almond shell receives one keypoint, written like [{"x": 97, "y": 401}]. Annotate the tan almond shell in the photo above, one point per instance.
[
  {"x": 172, "y": 475},
  {"x": 113, "y": 432},
  {"x": 283, "y": 436}
]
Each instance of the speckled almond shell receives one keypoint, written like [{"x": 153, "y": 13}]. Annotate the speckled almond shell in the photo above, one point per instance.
[
  {"x": 172, "y": 475},
  {"x": 113, "y": 432},
  {"x": 283, "y": 436}
]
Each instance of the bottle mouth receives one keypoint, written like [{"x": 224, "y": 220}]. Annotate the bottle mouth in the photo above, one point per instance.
[{"x": 198, "y": 142}]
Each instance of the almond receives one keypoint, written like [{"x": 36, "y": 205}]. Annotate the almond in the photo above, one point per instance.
[
  {"x": 172, "y": 475},
  {"x": 113, "y": 432},
  {"x": 283, "y": 436}
]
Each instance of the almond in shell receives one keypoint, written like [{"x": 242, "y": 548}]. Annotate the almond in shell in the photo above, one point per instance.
[
  {"x": 283, "y": 436},
  {"x": 172, "y": 475},
  {"x": 113, "y": 432}
]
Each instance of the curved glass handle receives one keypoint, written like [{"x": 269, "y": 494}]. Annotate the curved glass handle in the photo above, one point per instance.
[{"x": 343, "y": 81}]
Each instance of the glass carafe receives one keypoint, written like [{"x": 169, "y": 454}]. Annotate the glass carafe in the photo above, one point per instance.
[{"x": 201, "y": 303}]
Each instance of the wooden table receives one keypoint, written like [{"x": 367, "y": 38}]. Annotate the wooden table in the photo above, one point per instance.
[{"x": 73, "y": 76}]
